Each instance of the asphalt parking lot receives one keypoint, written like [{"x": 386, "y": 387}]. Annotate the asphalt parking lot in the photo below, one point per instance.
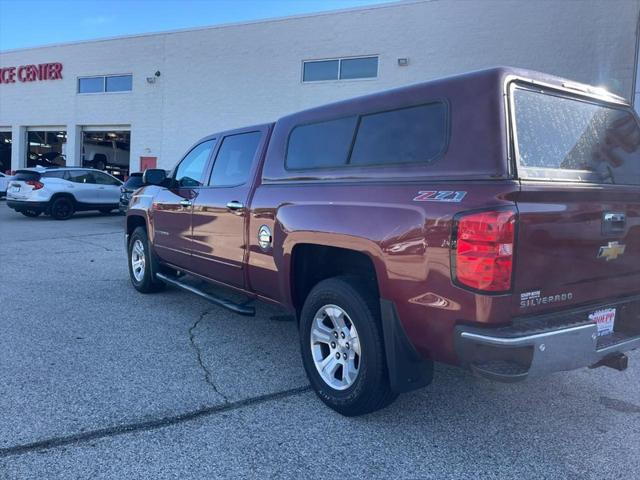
[{"x": 99, "y": 381}]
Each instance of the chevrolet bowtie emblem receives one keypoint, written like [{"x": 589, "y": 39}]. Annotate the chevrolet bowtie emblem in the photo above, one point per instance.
[{"x": 611, "y": 251}]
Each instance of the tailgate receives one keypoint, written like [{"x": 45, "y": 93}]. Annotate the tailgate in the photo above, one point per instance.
[
  {"x": 576, "y": 245},
  {"x": 579, "y": 204}
]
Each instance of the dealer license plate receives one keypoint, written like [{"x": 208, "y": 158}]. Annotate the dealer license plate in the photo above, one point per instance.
[{"x": 604, "y": 319}]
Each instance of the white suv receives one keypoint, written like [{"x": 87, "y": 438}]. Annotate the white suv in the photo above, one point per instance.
[
  {"x": 4, "y": 184},
  {"x": 60, "y": 192}
]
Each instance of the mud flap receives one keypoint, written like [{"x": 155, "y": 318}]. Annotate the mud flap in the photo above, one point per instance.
[{"x": 407, "y": 369}]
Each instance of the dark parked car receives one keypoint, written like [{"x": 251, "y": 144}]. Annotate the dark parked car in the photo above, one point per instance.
[
  {"x": 488, "y": 220},
  {"x": 133, "y": 183}
]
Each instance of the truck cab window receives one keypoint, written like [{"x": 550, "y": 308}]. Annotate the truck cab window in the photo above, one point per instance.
[
  {"x": 234, "y": 159},
  {"x": 190, "y": 172}
]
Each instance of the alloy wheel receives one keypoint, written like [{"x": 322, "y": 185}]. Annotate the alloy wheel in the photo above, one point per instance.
[
  {"x": 335, "y": 347},
  {"x": 138, "y": 260}
]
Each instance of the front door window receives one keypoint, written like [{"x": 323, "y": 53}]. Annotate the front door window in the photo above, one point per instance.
[{"x": 190, "y": 172}]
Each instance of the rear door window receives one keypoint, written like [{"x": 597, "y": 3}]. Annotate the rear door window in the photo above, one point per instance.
[
  {"x": 571, "y": 139},
  {"x": 81, "y": 176},
  {"x": 235, "y": 159}
]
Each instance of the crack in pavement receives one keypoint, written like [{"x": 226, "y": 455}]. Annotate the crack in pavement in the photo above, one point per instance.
[
  {"x": 32, "y": 240},
  {"x": 144, "y": 426},
  {"x": 84, "y": 242},
  {"x": 208, "y": 377}
]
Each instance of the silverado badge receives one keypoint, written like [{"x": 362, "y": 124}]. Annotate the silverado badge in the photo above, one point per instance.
[{"x": 611, "y": 251}]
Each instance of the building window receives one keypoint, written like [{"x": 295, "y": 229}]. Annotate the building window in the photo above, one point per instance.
[
  {"x": 91, "y": 85},
  {"x": 119, "y": 83},
  {"x": 105, "y": 83},
  {"x": 340, "y": 69}
]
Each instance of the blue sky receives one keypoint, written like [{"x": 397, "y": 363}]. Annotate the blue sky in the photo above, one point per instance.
[{"x": 28, "y": 23}]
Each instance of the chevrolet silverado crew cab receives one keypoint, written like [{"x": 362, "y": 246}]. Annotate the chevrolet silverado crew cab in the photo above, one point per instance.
[{"x": 489, "y": 220}]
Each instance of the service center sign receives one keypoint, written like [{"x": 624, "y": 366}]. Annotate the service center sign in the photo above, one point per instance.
[{"x": 31, "y": 73}]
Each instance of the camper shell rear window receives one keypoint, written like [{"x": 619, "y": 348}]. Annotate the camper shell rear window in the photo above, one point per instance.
[{"x": 569, "y": 138}]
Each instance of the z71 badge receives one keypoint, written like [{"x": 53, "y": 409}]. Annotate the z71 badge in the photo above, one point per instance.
[{"x": 440, "y": 196}]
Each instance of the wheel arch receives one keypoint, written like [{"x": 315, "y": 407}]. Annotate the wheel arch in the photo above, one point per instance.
[
  {"x": 135, "y": 221},
  {"x": 58, "y": 195},
  {"x": 310, "y": 263}
]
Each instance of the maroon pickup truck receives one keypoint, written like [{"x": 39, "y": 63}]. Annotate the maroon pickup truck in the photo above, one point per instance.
[{"x": 488, "y": 220}]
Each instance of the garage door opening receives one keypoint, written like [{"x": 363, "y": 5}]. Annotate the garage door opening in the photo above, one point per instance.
[
  {"x": 46, "y": 148},
  {"x": 107, "y": 150},
  {"x": 5, "y": 152}
]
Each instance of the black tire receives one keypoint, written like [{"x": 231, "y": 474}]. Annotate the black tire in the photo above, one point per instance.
[
  {"x": 62, "y": 208},
  {"x": 147, "y": 283},
  {"x": 31, "y": 213},
  {"x": 105, "y": 211},
  {"x": 370, "y": 390}
]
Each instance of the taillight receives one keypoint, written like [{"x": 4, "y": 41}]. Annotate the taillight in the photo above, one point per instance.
[
  {"x": 35, "y": 184},
  {"x": 482, "y": 255}
]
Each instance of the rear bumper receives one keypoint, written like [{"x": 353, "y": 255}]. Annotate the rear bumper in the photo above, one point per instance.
[
  {"x": 21, "y": 205},
  {"x": 549, "y": 343}
]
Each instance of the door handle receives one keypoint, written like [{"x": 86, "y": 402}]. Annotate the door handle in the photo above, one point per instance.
[
  {"x": 186, "y": 203},
  {"x": 613, "y": 222},
  {"x": 614, "y": 217},
  {"x": 235, "y": 205}
]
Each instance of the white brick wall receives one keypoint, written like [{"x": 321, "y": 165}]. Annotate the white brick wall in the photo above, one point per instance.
[{"x": 230, "y": 76}]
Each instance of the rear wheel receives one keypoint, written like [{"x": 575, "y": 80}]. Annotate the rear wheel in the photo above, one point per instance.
[
  {"x": 31, "y": 213},
  {"x": 342, "y": 347},
  {"x": 62, "y": 208},
  {"x": 140, "y": 258}
]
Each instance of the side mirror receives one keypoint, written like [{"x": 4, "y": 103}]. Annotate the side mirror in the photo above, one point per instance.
[{"x": 154, "y": 176}]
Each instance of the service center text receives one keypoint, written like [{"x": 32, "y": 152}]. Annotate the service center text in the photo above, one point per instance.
[{"x": 31, "y": 73}]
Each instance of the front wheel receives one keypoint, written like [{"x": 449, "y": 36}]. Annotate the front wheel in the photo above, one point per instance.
[
  {"x": 140, "y": 260},
  {"x": 342, "y": 347}
]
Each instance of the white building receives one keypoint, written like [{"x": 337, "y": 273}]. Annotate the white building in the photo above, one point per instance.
[{"x": 166, "y": 90}]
